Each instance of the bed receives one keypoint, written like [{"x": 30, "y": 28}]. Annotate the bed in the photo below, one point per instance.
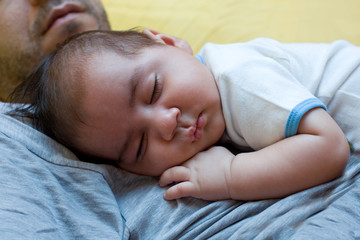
[
  {"x": 47, "y": 193},
  {"x": 229, "y": 21}
]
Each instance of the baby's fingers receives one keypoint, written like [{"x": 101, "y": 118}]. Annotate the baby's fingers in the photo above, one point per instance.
[
  {"x": 183, "y": 189},
  {"x": 174, "y": 175}
]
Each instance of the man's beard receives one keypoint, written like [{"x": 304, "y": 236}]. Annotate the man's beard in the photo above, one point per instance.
[{"x": 15, "y": 68}]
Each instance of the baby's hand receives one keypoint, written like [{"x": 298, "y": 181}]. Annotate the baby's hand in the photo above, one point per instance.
[{"x": 203, "y": 176}]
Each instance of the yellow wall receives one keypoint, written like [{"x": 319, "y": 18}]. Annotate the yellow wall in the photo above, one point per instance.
[{"x": 224, "y": 21}]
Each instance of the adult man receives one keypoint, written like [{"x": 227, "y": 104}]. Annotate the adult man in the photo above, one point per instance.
[{"x": 32, "y": 205}]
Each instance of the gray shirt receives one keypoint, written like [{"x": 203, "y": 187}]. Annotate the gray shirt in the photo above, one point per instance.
[{"x": 47, "y": 193}]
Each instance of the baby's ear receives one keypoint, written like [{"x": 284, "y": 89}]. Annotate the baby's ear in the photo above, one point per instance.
[{"x": 168, "y": 40}]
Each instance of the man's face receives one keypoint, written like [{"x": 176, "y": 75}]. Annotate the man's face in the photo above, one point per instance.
[
  {"x": 30, "y": 29},
  {"x": 150, "y": 112}
]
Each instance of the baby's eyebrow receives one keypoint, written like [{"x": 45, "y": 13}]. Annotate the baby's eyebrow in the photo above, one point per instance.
[{"x": 134, "y": 81}]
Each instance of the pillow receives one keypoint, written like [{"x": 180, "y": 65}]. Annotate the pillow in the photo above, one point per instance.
[{"x": 226, "y": 21}]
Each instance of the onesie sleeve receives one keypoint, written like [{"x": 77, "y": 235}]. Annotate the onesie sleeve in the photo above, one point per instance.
[
  {"x": 298, "y": 112},
  {"x": 262, "y": 100}
]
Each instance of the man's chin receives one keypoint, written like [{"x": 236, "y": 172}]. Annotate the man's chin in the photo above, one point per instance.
[{"x": 60, "y": 33}]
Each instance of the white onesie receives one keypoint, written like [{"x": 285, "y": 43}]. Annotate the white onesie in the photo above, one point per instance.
[{"x": 267, "y": 86}]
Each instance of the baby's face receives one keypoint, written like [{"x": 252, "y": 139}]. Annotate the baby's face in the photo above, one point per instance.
[{"x": 150, "y": 112}]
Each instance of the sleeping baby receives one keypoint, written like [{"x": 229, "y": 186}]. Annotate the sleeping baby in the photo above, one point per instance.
[{"x": 143, "y": 101}]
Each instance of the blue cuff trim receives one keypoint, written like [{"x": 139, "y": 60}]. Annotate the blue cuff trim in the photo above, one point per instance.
[
  {"x": 298, "y": 112},
  {"x": 200, "y": 58}
]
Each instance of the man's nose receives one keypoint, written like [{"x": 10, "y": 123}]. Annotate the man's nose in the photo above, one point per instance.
[{"x": 165, "y": 122}]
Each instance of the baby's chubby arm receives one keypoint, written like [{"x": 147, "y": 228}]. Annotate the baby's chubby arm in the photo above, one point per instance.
[{"x": 317, "y": 154}]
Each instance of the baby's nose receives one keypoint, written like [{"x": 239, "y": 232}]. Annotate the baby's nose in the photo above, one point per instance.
[{"x": 166, "y": 122}]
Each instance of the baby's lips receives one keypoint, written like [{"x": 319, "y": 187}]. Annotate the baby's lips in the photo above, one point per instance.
[{"x": 196, "y": 131}]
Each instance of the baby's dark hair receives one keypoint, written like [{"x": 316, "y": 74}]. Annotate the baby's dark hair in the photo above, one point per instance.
[{"x": 53, "y": 91}]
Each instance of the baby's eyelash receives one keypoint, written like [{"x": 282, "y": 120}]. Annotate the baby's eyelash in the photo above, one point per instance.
[
  {"x": 156, "y": 90},
  {"x": 140, "y": 147}
]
